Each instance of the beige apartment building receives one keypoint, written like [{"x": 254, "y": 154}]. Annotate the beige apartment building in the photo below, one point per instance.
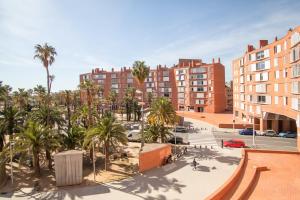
[{"x": 266, "y": 84}]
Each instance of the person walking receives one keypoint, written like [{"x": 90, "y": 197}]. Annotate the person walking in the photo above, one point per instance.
[{"x": 194, "y": 164}]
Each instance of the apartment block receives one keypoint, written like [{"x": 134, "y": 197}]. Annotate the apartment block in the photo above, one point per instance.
[
  {"x": 266, "y": 84},
  {"x": 229, "y": 95},
  {"x": 190, "y": 85}
]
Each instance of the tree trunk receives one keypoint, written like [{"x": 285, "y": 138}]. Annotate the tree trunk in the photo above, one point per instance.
[
  {"x": 91, "y": 154},
  {"x": 89, "y": 107},
  {"x": 106, "y": 155},
  {"x": 48, "y": 156},
  {"x": 36, "y": 163},
  {"x": 3, "y": 175}
]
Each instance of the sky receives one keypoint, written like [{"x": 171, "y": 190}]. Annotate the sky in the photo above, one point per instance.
[{"x": 114, "y": 33}]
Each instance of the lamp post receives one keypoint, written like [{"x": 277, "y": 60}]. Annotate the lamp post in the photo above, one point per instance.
[
  {"x": 142, "y": 113},
  {"x": 94, "y": 167},
  {"x": 253, "y": 134},
  {"x": 11, "y": 145}
]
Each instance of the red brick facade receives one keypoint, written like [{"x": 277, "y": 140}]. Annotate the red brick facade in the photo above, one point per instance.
[{"x": 190, "y": 85}]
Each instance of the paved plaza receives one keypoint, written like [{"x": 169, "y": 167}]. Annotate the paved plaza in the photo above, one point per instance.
[{"x": 173, "y": 181}]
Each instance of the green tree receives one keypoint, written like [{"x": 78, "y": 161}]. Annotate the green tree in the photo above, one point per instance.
[
  {"x": 73, "y": 137},
  {"x": 46, "y": 54},
  {"x": 162, "y": 114},
  {"x": 34, "y": 137},
  {"x": 140, "y": 71},
  {"x": 49, "y": 117},
  {"x": 109, "y": 132},
  {"x": 40, "y": 94},
  {"x": 112, "y": 99},
  {"x": 153, "y": 132}
]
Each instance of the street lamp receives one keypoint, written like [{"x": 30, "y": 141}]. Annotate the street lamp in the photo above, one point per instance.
[
  {"x": 94, "y": 167},
  {"x": 253, "y": 134},
  {"x": 11, "y": 146},
  {"x": 142, "y": 112}
]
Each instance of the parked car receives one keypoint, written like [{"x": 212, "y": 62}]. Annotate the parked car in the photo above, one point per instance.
[
  {"x": 134, "y": 136},
  {"x": 271, "y": 133},
  {"x": 180, "y": 129},
  {"x": 247, "y": 131},
  {"x": 179, "y": 140},
  {"x": 234, "y": 143},
  {"x": 288, "y": 134}
]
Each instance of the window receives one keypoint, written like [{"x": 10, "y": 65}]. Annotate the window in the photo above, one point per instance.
[
  {"x": 200, "y": 95},
  {"x": 165, "y": 78},
  {"x": 165, "y": 73},
  {"x": 277, "y": 74},
  {"x": 113, "y": 75},
  {"x": 129, "y": 80},
  {"x": 261, "y": 99},
  {"x": 180, "y": 89},
  {"x": 275, "y": 62},
  {"x": 276, "y": 100},
  {"x": 259, "y": 55},
  {"x": 296, "y": 104},
  {"x": 277, "y": 48},
  {"x": 294, "y": 55},
  {"x": 295, "y": 38},
  {"x": 276, "y": 87},
  {"x": 199, "y": 70},
  {"x": 296, "y": 87},
  {"x": 181, "y": 95},
  {"x": 284, "y": 73},
  {"x": 296, "y": 70},
  {"x": 262, "y": 76},
  {"x": 261, "y": 88},
  {"x": 114, "y": 85},
  {"x": 260, "y": 66}
]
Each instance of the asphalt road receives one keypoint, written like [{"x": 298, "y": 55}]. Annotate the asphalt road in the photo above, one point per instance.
[{"x": 262, "y": 142}]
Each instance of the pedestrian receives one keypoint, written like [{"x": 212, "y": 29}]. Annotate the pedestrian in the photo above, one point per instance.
[{"x": 194, "y": 164}]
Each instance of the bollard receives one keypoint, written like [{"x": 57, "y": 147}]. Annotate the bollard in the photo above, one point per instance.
[
  {"x": 211, "y": 147},
  {"x": 205, "y": 147},
  {"x": 222, "y": 143},
  {"x": 195, "y": 146},
  {"x": 200, "y": 146}
]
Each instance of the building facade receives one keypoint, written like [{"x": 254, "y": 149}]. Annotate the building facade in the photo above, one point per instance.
[
  {"x": 190, "y": 85},
  {"x": 229, "y": 95},
  {"x": 266, "y": 84}
]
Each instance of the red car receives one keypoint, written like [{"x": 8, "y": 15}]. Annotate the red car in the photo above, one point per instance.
[{"x": 234, "y": 143}]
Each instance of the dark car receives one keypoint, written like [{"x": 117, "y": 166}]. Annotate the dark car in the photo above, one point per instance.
[
  {"x": 180, "y": 129},
  {"x": 234, "y": 143},
  {"x": 179, "y": 140},
  {"x": 247, "y": 131},
  {"x": 288, "y": 134}
]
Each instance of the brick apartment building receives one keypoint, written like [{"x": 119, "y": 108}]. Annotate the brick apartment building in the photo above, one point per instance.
[
  {"x": 229, "y": 95},
  {"x": 266, "y": 84},
  {"x": 190, "y": 85}
]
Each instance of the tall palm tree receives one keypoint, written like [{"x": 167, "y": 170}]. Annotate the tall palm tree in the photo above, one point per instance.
[
  {"x": 141, "y": 72},
  {"x": 109, "y": 132},
  {"x": 4, "y": 94},
  {"x": 33, "y": 138},
  {"x": 90, "y": 88},
  {"x": 112, "y": 98},
  {"x": 162, "y": 113},
  {"x": 46, "y": 54}
]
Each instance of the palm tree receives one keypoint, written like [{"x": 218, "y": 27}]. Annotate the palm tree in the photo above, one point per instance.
[
  {"x": 33, "y": 138},
  {"x": 112, "y": 98},
  {"x": 40, "y": 93},
  {"x": 109, "y": 132},
  {"x": 49, "y": 117},
  {"x": 89, "y": 87},
  {"x": 4, "y": 94},
  {"x": 153, "y": 132},
  {"x": 46, "y": 54},
  {"x": 162, "y": 113},
  {"x": 22, "y": 98},
  {"x": 81, "y": 116},
  {"x": 10, "y": 119},
  {"x": 149, "y": 98},
  {"x": 73, "y": 137},
  {"x": 141, "y": 72}
]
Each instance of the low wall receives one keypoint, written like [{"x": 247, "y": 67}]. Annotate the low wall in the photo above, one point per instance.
[
  {"x": 153, "y": 156},
  {"x": 229, "y": 184},
  {"x": 238, "y": 126}
]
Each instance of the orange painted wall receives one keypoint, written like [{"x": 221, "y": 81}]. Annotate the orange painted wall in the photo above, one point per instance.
[{"x": 152, "y": 159}]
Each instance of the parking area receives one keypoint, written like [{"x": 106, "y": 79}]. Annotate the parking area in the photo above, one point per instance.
[{"x": 262, "y": 142}]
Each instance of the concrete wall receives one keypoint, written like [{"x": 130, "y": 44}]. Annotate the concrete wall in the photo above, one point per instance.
[{"x": 153, "y": 158}]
